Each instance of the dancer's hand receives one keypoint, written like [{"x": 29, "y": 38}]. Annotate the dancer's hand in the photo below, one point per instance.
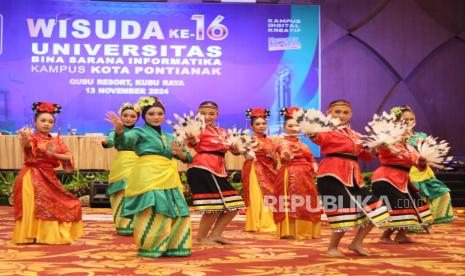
[
  {"x": 25, "y": 133},
  {"x": 99, "y": 140},
  {"x": 175, "y": 148},
  {"x": 393, "y": 150},
  {"x": 271, "y": 155},
  {"x": 192, "y": 141},
  {"x": 315, "y": 167},
  {"x": 50, "y": 150},
  {"x": 311, "y": 135},
  {"x": 286, "y": 155},
  {"x": 115, "y": 120},
  {"x": 383, "y": 145},
  {"x": 373, "y": 152},
  {"x": 234, "y": 150},
  {"x": 422, "y": 163},
  {"x": 295, "y": 150},
  {"x": 25, "y": 136}
]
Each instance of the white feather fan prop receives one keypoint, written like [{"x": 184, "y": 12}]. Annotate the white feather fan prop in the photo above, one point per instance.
[
  {"x": 434, "y": 152},
  {"x": 187, "y": 126},
  {"x": 383, "y": 130},
  {"x": 242, "y": 141},
  {"x": 313, "y": 121}
]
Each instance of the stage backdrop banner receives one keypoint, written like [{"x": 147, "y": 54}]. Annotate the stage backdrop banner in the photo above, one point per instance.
[{"x": 93, "y": 56}]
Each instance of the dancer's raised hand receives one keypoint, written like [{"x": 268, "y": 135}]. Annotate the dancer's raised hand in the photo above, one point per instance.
[
  {"x": 99, "y": 140},
  {"x": 24, "y": 134},
  {"x": 115, "y": 120}
]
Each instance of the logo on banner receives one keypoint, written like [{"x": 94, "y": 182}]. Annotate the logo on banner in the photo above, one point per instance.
[
  {"x": 282, "y": 30},
  {"x": 283, "y": 43}
]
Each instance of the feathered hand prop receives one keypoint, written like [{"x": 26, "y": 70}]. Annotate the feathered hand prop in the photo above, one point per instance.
[
  {"x": 314, "y": 121},
  {"x": 434, "y": 152},
  {"x": 383, "y": 130},
  {"x": 188, "y": 126},
  {"x": 242, "y": 141}
]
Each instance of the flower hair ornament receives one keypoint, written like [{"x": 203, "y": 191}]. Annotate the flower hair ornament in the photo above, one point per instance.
[
  {"x": 288, "y": 112},
  {"x": 257, "y": 113},
  {"x": 398, "y": 110},
  {"x": 51, "y": 108},
  {"x": 131, "y": 106},
  {"x": 148, "y": 101}
]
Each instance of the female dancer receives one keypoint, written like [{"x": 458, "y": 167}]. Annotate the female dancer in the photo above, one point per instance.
[
  {"x": 433, "y": 190},
  {"x": 391, "y": 180},
  {"x": 341, "y": 186},
  {"x": 212, "y": 194},
  {"x": 44, "y": 211},
  {"x": 298, "y": 214},
  {"x": 121, "y": 168},
  {"x": 258, "y": 176},
  {"x": 153, "y": 195}
]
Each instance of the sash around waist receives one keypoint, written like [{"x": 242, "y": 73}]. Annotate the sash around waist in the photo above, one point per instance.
[
  {"x": 398, "y": 167},
  {"x": 39, "y": 165},
  {"x": 342, "y": 155},
  {"x": 152, "y": 172},
  {"x": 219, "y": 153}
]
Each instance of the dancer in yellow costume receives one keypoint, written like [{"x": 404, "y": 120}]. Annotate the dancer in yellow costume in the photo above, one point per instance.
[
  {"x": 153, "y": 195},
  {"x": 121, "y": 168}
]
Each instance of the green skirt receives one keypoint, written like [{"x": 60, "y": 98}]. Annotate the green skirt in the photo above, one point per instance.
[
  {"x": 169, "y": 202},
  {"x": 162, "y": 225},
  {"x": 437, "y": 195},
  {"x": 116, "y": 187}
]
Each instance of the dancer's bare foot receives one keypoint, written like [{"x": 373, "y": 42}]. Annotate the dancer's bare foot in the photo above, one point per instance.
[
  {"x": 429, "y": 229},
  {"x": 404, "y": 239},
  {"x": 205, "y": 241},
  {"x": 386, "y": 237},
  {"x": 334, "y": 253},
  {"x": 386, "y": 240},
  {"x": 359, "y": 250},
  {"x": 220, "y": 240},
  {"x": 288, "y": 238}
]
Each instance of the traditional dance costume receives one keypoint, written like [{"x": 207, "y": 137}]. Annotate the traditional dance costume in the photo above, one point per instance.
[
  {"x": 258, "y": 178},
  {"x": 121, "y": 168},
  {"x": 435, "y": 192},
  {"x": 340, "y": 184},
  {"x": 44, "y": 211},
  {"x": 298, "y": 212},
  {"x": 153, "y": 195},
  {"x": 207, "y": 177},
  {"x": 391, "y": 180}
]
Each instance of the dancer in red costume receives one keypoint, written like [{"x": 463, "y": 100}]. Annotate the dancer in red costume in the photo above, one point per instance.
[
  {"x": 212, "y": 194},
  {"x": 300, "y": 217},
  {"x": 392, "y": 180},
  {"x": 341, "y": 186},
  {"x": 44, "y": 211},
  {"x": 258, "y": 176}
]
